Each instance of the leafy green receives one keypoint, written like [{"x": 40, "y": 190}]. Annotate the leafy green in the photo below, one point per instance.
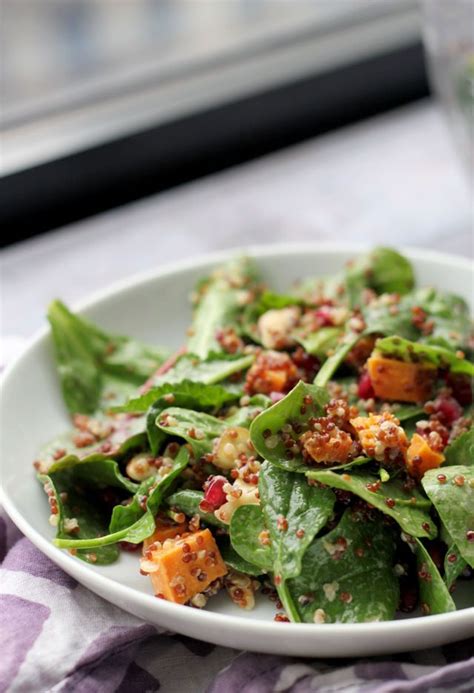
[
  {"x": 97, "y": 471},
  {"x": 331, "y": 365},
  {"x": 74, "y": 503},
  {"x": 85, "y": 355},
  {"x": 199, "y": 394},
  {"x": 347, "y": 574},
  {"x": 220, "y": 302},
  {"x": 384, "y": 270},
  {"x": 461, "y": 450},
  {"x": 127, "y": 433},
  {"x": 454, "y": 502},
  {"x": 434, "y": 595},
  {"x": 320, "y": 342},
  {"x": 288, "y": 498},
  {"x": 451, "y": 318},
  {"x": 187, "y": 501},
  {"x": 234, "y": 560},
  {"x": 134, "y": 522},
  {"x": 214, "y": 369},
  {"x": 410, "y": 509},
  {"x": 197, "y": 428},
  {"x": 246, "y": 526},
  {"x": 266, "y": 428},
  {"x": 454, "y": 565},
  {"x": 425, "y": 354}
]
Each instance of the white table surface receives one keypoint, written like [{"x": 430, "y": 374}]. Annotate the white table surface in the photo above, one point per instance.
[{"x": 394, "y": 179}]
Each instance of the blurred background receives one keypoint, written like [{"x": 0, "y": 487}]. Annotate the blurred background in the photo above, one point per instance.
[{"x": 138, "y": 131}]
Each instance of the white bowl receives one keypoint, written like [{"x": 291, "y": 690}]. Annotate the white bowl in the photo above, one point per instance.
[{"x": 155, "y": 307}]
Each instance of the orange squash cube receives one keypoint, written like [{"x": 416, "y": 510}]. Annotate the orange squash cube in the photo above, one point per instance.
[
  {"x": 184, "y": 566},
  {"x": 165, "y": 530},
  {"x": 421, "y": 458},
  {"x": 400, "y": 381}
]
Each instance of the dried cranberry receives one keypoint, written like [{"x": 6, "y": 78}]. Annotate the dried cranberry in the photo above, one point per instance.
[
  {"x": 214, "y": 491},
  {"x": 461, "y": 387},
  {"x": 364, "y": 387}
]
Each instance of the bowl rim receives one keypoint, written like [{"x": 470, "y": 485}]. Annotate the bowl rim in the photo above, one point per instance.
[{"x": 208, "y": 619}]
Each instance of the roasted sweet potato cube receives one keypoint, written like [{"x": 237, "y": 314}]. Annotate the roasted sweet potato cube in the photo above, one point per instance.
[
  {"x": 184, "y": 566},
  {"x": 421, "y": 457},
  {"x": 400, "y": 381},
  {"x": 165, "y": 530}
]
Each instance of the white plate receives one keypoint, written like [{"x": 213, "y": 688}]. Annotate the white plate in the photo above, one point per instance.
[{"x": 155, "y": 307}]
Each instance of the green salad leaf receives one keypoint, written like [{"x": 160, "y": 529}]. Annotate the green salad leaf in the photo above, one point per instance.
[
  {"x": 85, "y": 355},
  {"x": 301, "y": 404},
  {"x": 294, "y": 513},
  {"x": 423, "y": 353},
  {"x": 187, "y": 501},
  {"x": 233, "y": 560},
  {"x": 454, "y": 502},
  {"x": 77, "y": 504},
  {"x": 347, "y": 575},
  {"x": 409, "y": 509},
  {"x": 434, "y": 594},
  {"x": 384, "y": 270},
  {"x": 246, "y": 527},
  {"x": 461, "y": 450},
  {"x": 96, "y": 470},
  {"x": 136, "y": 521},
  {"x": 220, "y": 302}
]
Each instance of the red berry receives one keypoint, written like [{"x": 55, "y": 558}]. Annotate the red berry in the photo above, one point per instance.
[
  {"x": 324, "y": 317},
  {"x": 214, "y": 491},
  {"x": 364, "y": 387},
  {"x": 128, "y": 546}
]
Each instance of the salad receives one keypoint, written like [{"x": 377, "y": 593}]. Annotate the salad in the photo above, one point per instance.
[{"x": 316, "y": 446}]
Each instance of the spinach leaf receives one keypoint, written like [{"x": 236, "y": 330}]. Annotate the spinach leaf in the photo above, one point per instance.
[
  {"x": 330, "y": 366},
  {"x": 214, "y": 369},
  {"x": 347, "y": 575},
  {"x": 454, "y": 565},
  {"x": 424, "y": 353},
  {"x": 246, "y": 526},
  {"x": 409, "y": 509},
  {"x": 302, "y": 403},
  {"x": 461, "y": 450},
  {"x": 85, "y": 355},
  {"x": 434, "y": 595},
  {"x": 199, "y": 429},
  {"x": 318, "y": 343},
  {"x": 454, "y": 502},
  {"x": 96, "y": 471},
  {"x": 234, "y": 560},
  {"x": 126, "y": 433},
  {"x": 294, "y": 513},
  {"x": 187, "y": 501},
  {"x": 134, "y": 522},
  {"x": 74, "y": 504},
  {"x": 451, "y": 317},
  {"x": 199, "y": 395},
  {"x": 383, "y": 270},
  {"x": 221, "y": 300}
]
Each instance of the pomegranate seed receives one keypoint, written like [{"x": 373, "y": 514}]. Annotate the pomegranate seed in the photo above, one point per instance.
[
  {"x": 364, "y": 387},
  {"x": 276, "y": 396},
  {"x": 447, "y": 409},
  {"x": 213, "y": 491},
  {"x": 324, "y": 317}
]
